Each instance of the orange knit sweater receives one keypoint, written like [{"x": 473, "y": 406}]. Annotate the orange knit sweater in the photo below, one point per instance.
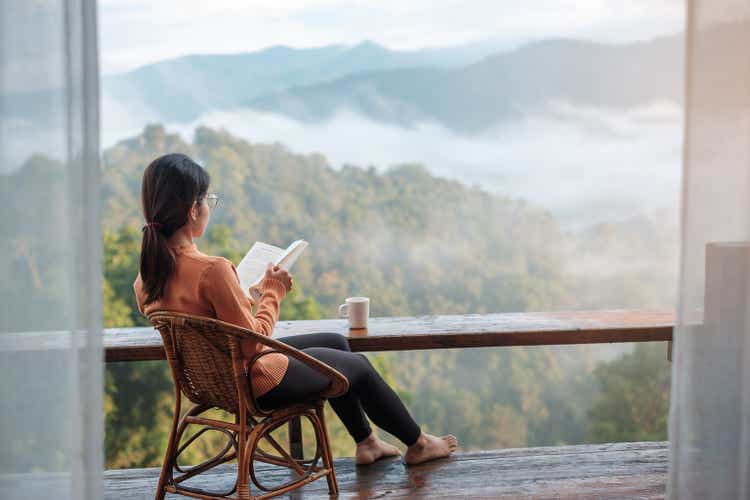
[{"x": 209, "y": 286}]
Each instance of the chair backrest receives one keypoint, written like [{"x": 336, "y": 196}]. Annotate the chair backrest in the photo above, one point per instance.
[{"x": 205, "y": 359}]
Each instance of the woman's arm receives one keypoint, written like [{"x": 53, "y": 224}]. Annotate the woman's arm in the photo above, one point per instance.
[{"x": 220, "y": 286}]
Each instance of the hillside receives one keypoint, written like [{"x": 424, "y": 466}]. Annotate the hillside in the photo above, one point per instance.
[
  {"x": 416, "y": 244},
  {"x": 403, "y": 236}
]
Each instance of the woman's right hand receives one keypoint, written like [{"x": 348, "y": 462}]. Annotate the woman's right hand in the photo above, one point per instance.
[{"x": 279, "y": 273}]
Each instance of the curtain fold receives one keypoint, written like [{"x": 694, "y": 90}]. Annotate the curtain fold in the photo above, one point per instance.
[
  {"x": 51, "y": 424},
  {"x": 709, "y": 422}
]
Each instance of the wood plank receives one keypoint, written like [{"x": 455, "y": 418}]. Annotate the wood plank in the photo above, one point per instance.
[
  {"x": 612, "y": 470},
  {"x": 410, "y": 333},
  {"x": 445, "y": 331}
]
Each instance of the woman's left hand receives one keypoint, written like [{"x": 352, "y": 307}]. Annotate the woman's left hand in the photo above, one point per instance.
[{"x": 255, "y": 293}]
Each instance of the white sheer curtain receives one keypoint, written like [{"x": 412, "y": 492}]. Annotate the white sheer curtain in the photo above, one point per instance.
[
  {"x": 709, "y": 429},
  {"x": 50, "y": 329}
]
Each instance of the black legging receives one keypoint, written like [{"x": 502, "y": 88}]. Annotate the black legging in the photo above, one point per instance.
[{"x": 367, "y": 390}]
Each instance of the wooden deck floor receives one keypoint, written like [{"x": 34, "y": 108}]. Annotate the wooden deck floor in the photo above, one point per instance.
[{"x": 615, "y": 470}]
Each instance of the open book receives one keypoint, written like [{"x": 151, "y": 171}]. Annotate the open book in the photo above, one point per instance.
[{"x": 252, "y": 267}]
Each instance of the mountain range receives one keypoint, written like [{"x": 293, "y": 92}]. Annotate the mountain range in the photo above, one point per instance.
[
  {"x": 465, "y": 89},
  {"x": 180, "y": 89},
  {"x": 501, "y": 87}
]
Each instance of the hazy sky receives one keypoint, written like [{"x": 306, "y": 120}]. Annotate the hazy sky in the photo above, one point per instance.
[{"x": 137, "y": 32}]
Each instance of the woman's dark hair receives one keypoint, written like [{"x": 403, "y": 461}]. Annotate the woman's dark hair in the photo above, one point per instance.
[{"x": 170, "y": 186}]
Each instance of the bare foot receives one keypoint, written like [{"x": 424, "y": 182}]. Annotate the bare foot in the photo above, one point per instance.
[
  {"x": 429, "y": 447},
  {"x": 373, "y": 448}
]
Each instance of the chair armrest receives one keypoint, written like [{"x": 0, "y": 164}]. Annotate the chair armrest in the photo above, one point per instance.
[{"x": 339, "y": 383}]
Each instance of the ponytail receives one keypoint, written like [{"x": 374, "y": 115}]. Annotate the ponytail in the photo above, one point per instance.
[
  {"x": 170, "y": 186},
  {"x": 157, "y": 262}
]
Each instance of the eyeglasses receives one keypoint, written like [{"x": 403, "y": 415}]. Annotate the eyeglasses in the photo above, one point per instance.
[{"x": 212, "y": 199}]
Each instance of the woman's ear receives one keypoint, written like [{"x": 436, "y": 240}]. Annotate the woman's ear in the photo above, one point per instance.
[{"x": 194, "y": 212}]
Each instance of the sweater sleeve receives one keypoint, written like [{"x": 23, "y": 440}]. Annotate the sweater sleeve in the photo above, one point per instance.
[{"x": 220, "y": 285}]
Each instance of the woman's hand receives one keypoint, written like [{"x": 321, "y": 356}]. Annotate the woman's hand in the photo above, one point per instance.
[
  {"x": 256, "y": 291},
  {"x": 279, "y": 273}
]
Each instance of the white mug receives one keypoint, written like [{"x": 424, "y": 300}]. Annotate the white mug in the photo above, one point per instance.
[{"x": 357, "y": 309}]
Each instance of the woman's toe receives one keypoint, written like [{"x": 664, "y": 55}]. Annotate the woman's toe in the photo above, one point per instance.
[{"x": 451, "y": 441}]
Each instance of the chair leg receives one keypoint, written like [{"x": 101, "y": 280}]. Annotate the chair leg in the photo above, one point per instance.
[
  {"x": 333, "y": 486},
  {"x": 243, "y": 471},
  {"x": 166, "y": 468}
]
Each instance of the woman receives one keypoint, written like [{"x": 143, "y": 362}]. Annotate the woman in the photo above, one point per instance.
[{"x": 175, "y": 276}]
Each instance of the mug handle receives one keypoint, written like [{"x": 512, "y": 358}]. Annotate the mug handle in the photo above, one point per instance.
[{"x": 344, "y": 311}]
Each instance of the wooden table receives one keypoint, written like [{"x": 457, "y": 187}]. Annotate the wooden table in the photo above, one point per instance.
[
  {"x": 440, "y": 332},
  {"x": 408, "y": 333},
  {"x": 444, "y": 331}
]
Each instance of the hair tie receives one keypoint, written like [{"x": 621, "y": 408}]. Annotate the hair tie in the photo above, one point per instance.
[{"x": 155, "y": 225}]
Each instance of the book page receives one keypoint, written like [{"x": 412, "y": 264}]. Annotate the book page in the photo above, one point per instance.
[
  {"x": 292, "y": 253},
  {"x": 252, "y": 267}
]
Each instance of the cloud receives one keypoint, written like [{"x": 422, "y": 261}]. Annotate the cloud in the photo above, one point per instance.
[
  {"x": 137, "y": 33},
  {"x": 583, "y": 164},
  {"x": 120, "y": 119}
]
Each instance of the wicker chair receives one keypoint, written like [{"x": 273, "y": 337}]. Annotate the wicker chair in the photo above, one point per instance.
[{"x": 207, "y": 367}]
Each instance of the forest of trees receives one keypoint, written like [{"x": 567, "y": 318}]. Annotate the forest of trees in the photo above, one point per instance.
[{"x": 416, "y": 244}]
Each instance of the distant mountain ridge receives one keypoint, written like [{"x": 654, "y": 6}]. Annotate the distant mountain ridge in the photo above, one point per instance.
[
  {"x": 465, "y": 88},
  {"x": 498, "y": 88},
  {"x": 181, "y": 89}
]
